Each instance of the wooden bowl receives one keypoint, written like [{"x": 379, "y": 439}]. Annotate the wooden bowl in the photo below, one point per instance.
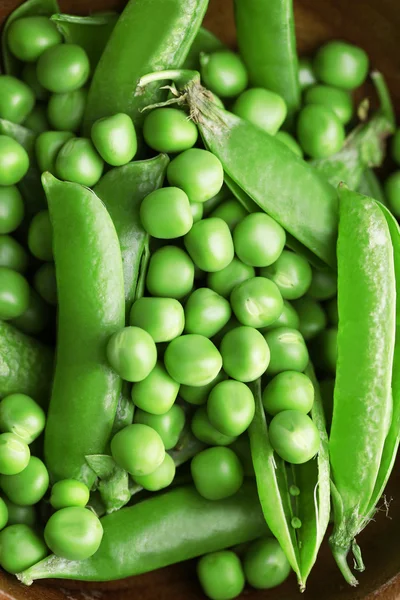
[{"x": 374, "y": 25}]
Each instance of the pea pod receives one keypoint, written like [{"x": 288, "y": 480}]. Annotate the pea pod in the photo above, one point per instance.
[
  {"x": 161, "y": 531},
  {"x": 90, "y": 309},
  {"x": 363, "y": 403},
  {"x": 205, "y": 41}
]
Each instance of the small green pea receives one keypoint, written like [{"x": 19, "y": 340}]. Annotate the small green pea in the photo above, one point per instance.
[
  {"x": 217, "y": 473},
  {"x": 37, "y": 120},
  {"x": 204, "y": 431},
  {"x": 206, "y": 312},
  {"x": 115, "y": 139},
  {"x": 45, "y": 283},
  {"x": 14, "y": 161},
  {"x": 11, "y": 209},
  {"x": 157, "y": 392},
  {"x": 40, "y": 236},
  {"x": 16, "y": 99},
  {"x": 262, "y": 107},
  {"x": 230, "y": 211},
  {"x": 21, "y": 415},
  {"x": 69, "y": 492},
  {"x": 290, "y": 142},
  {"x": 197, "y": 209},
  {"x": 14, "y": 454},
  {"x": 296, "y": 523},
  {"x": 291, "y": 273},
  {"x": 198, "y": 395},
  {"x": 79, "y": 162},
  {"x": 166, "y": 213},
  {"x": 12, "y": 254},
  {"x": 47, "y": 146},
  {"x": 257, "y": 302},
  {"x": 209, "y": 244},
  {"x": 29, "y": 486},
  {"x": 312, "y": 317},
  {"x": 288, "y": 350},
  {"x": 265, "y": 564},
  {"x": 323, "y": 284},
  {"x": 198, "y": 173},
  {"x": 73, "y": 533},
  {"x": 35, "y": 319},
  {"x": 287, "y": 318},
  {"x": 192, "y": 360},
  {"x": 294, "y": 490},
  {"x": 337, "y": 100},
  {"x": 258, "y": 240},
  {"x": 341, "y": 64},
  {"x": 63, "y": 68},
  {"x": 306, "y": 73},
  {"x": 170, "y": 273},
  {"x": 132, "y": 353},
  {"x": 230, "y": 407},
  {"x": 223, "y": 281},
  {"x": 30, "y": 36},
  {"x": 65, "y": 110},
  {"x": 169, "y": 130},
  {"x": 20, "y": 515},
  {"x": 224, "y": 73},
  {"x": 138, "y": 449},
  {"x": 319, "y": 131},
  {"x": 20, "y": 548},
  {"x": 159, "y": 479},
  {"x": 294, "y": 436},
  {"x": 221, "y": 575},
  {"x": 14, "y": 294},
  {"x": 162, "y": 318},
  {"x": 289, "y": 390},
  {"x": 169, "y": 425},
  {"x": 392, "y": 192},
  {"x": 245, "y": 354},
  {"x": 29, "y": 75}
]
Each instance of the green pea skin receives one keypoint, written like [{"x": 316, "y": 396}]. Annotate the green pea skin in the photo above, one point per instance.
[
  {"x": 288, "y": 350},
  {"x": 319, "y": 131},
  {"x": 197, "y": 211},
  {"x": 40, "y": 236},
  {"x": 323, "y": 284},
  {"x": 47, "y": 146},
  {"x": 78, "y": 161},
  {"x": 138, "y": 449},
  {"x": 289, "y": 390},
  {"x": 73, "y": 533},
  {"x": 16, "y": 99},
  {"x": 169, "y": 130},
  {"x": 166, "y": 213},
  {"x": 198, "y": 395},
  {"x": 161, "y": 478},
  {"x": 63, "y": 68},
  {"x": 20, "y": 548},
  {"x": 306, "y": 73},
  {"x": 30, "y": 77},
  {"x": 30, "y": 36},
  {"x": 337, "y": 100},
  {"x": 29, "y": 486},
  {"x": 312, "y": 317},
  {"x": 221, "y": 575},
  {"x": 290, "y": 142},
  {"x": 217, "y": 473},
  {"x": 192, "y": 360},
  {"x": 11, "y": 209},
  {"x": 3, "y": 514},
  {"x": 69, "y": 492},
  {"x": 259, "y": 240},
  {"x": 265, "y": 564},
  {"x": 22, "y": 416},
  {"x": 206, "y": 312},
  {"x": 264, "y": 108},
  {"x": 209, "y": 244},
  {"x": 14, "y": 294},
  {"x": 204, "y": 431},
  {"x": 324, "y": 350},
  {"x": 223, "y": 281},
  {"x": 395, "y": 147},
  {"x": 14, "y": 454},
  {"x": 294, "y": 437},
  {"x": 12, "y": 254},
  {"x": 230, "y": 211},
  {"x": 392, "y": 192},
  {"x": 287, "y": 318},
  {"x": 170, "y": 273},
  {"x": 331, "y": 309},
  {"x": 14, "y": 161},
  {"x": 224, "y": 73},
  {"x": 20, "y": 515},
  {"x": 230, "y": 407},
  {"x": 157, "y": 392},
  {"x": 341, "y": 64},
  {"x": 169, "y": 425},
  {"x": 115, "y": 139},
  {"x": 198, "y": 173},
  {"x": 162, "y": 318},
  {"x": 37, "y": 121},
  {"x": 257, "y": 302},
  {"x": 65, "y": 110},
  {"x": 291, "y": 273},
  {"x": 132, "y": 353},
  {"x": 45, "y": 283},
  {"x": 245, "y": 354}
]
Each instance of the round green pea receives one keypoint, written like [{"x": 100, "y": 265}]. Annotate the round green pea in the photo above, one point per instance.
[
  {"x": 29, "y": 37},
  {"x": 69, "y": 492},
  {"x": 265, "y": 564},
  {"x": 63, "y": 68},
  {"x": 257, "y": 302},
  {"x": 319, "y": 131},
  {"x": 225, "y": 280},
  {"x": 47, "y": 146},
  {"x": 341, "y": 64},
  {"x": 262, "y": 107},
  {"x": 204, "y": 431},
  {"x": 138, "y": 449},
  {"x": 73, "y": 533},
  {"x": 230, "y": 407},
  {"x": 392, "y": 192},
  {"x": 35, "y": 319},
  {"x": 323, "y": 284},
  {"x": 11, "y": 209},
  {"x": 14, "y": 294},
  {"x": 29, "y": 486},
  {"x": 170, "y": 273},
  {"x": 331, "y": 308},
  {"x": 312, "y": 317},
  {"x": 198, "y": 173},
  {"x": 197, "y": 209},
  {"x": 115, "y": 139},
  {"x": 259, "y": 240},
  {"x": 166, "y": 213},
  {"x": 65, "y": 110},
  {"x": 206, "y": 312},
  {"x": 3, "y": 514},
  {"x": 324, "y": 350},
  {"x": 29, "y": 75},
  {"x": 14, "y": 454},
  {"x": 192, "y": 360},
  {"x": 161, "y": 478},
  {"x": 290, "y": 142},
  {"x": 157, "y": 392},
  {"x": 287, "y": 318},
  {"x": 162, "y": 318},
  {"x": 245, "y": 354},
  {"x": 337, "y": 100},
  {"x": 288, "y": 350},
  {"x": 221, "y": 575},
  {"x": 12, "y": 254},
  {"x": 209, "y": 244},
  {"x": 198, "y": 395},
  {"x": 14, "y": 161},
  {"x": 20, "y": 515},
  {"x": 79, "y": 162},
  {"x": 16, "y": 99},
  {"x": 291, "y": 273},
  {"x": 21, "y": 415},
  {"x": 289, "y": 390},
  {"x": 224, "y": 73},
  {"x": 230, "y": 211},
  {"x": 217, "y": 473},
  {"x": 40, "y": 236},
  {"x": 20, "y": 548},
  {"x": 395, "y": 147},
  {"x": 169, "y": 130},
  {"x": 306, "y": 73},
  {"x": 169, "y": 425},
  {"x": 294, "y": 436},
  {"x": 37, "y": 120},
  {"x": 45, "y": 283},
  {"x": 132, "y": 353}
]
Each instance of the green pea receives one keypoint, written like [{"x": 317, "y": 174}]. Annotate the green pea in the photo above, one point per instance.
[
  {"x": 169, "y": 425},
  {"x": 230, "y": 407},
  {"x": 341, "y": 64},
  {"x": 34, "y": 320},
  {"x": 291, "y": 273},
  {"x": 221, "y": 575},
  {"x": 14, "y": 161},
  {"x": 337, "y": 100},
  {"x": 29, "y": 486},
  {"x": 138, "y": 449},
  {"x": 204, "y": 431},
  {"x": 69, "y": 492},
  {"x": 324, "y": 350},
  {"x": 115, "y": 139},
  {"x": 293, "y": 436},
  {"x": 245, "y": 354},
  {"x": 14, "y": 294},
  {"x": 217, "y": 473},
  {"x": 331, "y": 308},
  {"x": 224, "y": 73},
  {"x": 392, "y": 192},
  {"x": 223, "y": 281},
  {"x": 306, "y": 73},
  {"x": 257, "y": 302},
  {"x": 312, "y": 317},
  {"x": 241, "y": 447},
  {"x": 161, "y": 478},
  {"x": 265, "y": 564},
  {"x": 209, "y": 244},
  {"x": 166, "y": 213},
  {"x": 40, "y": 236},
  {"x": 262, "y": 107},
  {"x": 395, "y": 147},
  {"x": 206, "y": 312},
  {"x": 192, "y": 360},
  {"x": 29, "y": 75},
  {"x": 47, "y": 146},
  {"x": 259, "y": 240},
  {"x": 230, "y": 211},
  {"x": 30, "y": 36},
  {"x": 20, "y": 515},
  {"x": 45, "y": 283},
  {"x": 198, "y": 173},
  {"x": 14, "y": 454},
  {"x": 65, "y": 110},
  {"x": 169, "y": 130},
  {"x": 20, "y": 548},
  {"x": 12, "y": 254},
  {"x": 11, "y": 209},
  {"x": 73, "y": 533},
  {"x": 287, "y": 318},
  {"x": 288, "y": 350},
  {"x": 323, "y": 284},
  {"x": 63, "y": 68},
  {"x": 132, "y": 353},
  {"x": 170, "y": 273},
  {"x": 37, "y": 121},
  {"x": 319, "y": 131},
  {"x": 79, "y": 162},
  {"x": 197, "y": 209},
  {"x": 211, "y": 204},
  {"x": 162, "y": 318},
  {"x": 16, "y": 99},
  {"x": 290, "y": 142},
  {"x": 289, "y": 390},
  {"x": 157, "y": 392},
  {"x": 21, "y": 415},
  {"x": 198, "y": 395}
]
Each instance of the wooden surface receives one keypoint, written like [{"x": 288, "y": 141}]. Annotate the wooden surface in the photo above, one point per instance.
[{"x": 375, "y": 25}]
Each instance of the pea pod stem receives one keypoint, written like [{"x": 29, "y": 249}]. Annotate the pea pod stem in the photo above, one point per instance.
[{"x": 385, "y": 100}]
